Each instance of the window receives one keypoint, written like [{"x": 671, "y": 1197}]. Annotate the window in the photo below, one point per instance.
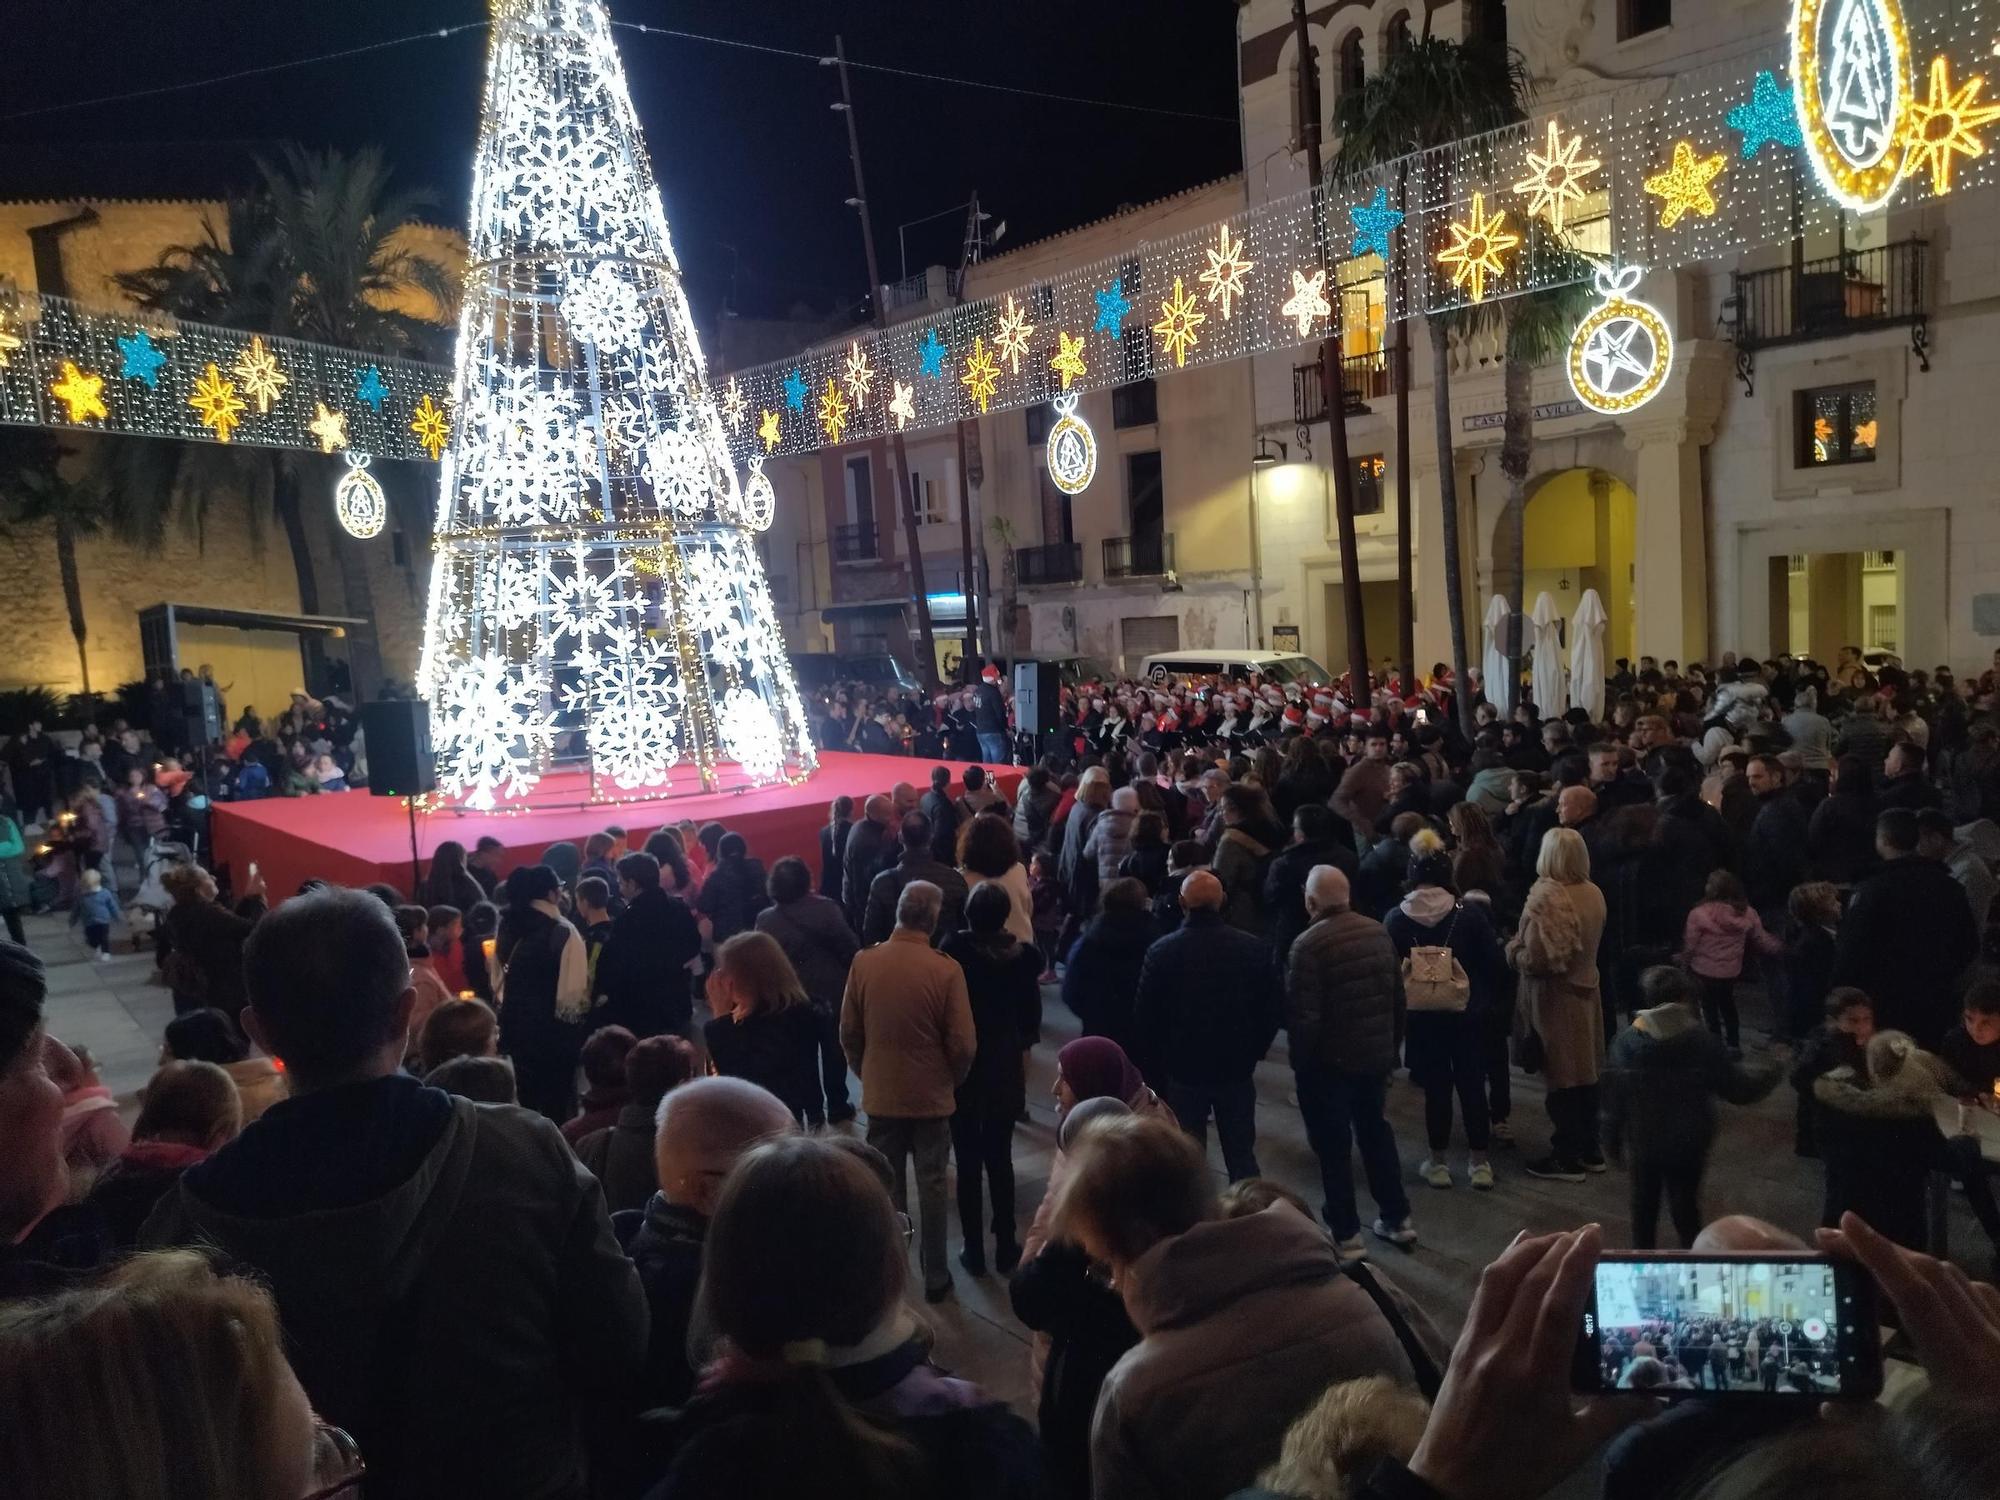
[
  {"x": 930, "y": 500},
  {"x": 1367, "y": 470},
  {"x": 399, "y": 548},
  {"x": 1135, "y": 405},
  {"x": 1040, "y": 419},
  {"x": 1396, "y": 40},
  {"x": 860, "y": 492},
  {"x": 1353, "y": 72},
  {"x": 1637, "y": 17},
  {"x": 1835, "y": 424}
]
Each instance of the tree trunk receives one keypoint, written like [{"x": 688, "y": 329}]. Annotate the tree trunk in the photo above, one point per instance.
[
  {"x": 906, "y": 502},
  {"x": 1454, "y": 582},
  {"x": 291, "y": 514},
  {"x": 72, "y": 591},
  {"x": 1343, "y": 513},
  {"x": 1406, "y": 588},
  {"x": 1516, "y": 449},
  {"x": 968, "y": 583}
]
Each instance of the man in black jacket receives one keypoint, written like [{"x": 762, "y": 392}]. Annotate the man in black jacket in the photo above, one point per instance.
[
  {"x": 1320, "y": 836},
  {"x": 1908, "y": 936},
  {"x": 917, "y": 863},
  {"x": 1774, "y": 856},
  {"x": 642, "y": 973},
  {"x": 989, "y": 718},
  {"x": 1209, "y": 1006},
  {"x": 943, "y": 813},
  {"x": 861, "y": 859}
]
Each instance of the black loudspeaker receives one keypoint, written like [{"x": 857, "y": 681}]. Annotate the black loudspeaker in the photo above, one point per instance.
[
  {"x": 397, "y": 736},
  {"x": 1037, "y": 697},
  {"x": 201, "y": 715}
]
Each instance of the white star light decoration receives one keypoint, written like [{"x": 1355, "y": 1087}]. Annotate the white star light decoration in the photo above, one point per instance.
[
  {"x": 903, "y": 404},
  {"x": 1226, "y": 270},
  {"x": 857, "y": 374},
  {"x": 1555, "y": 175},
  {"x": 733, "y": 405},
  {"x": 1308, "y": 300},
  {"x": 1010, "y": 339}
]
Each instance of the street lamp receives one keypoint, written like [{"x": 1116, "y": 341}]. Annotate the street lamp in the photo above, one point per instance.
[{"x": 1264, "y": 458}]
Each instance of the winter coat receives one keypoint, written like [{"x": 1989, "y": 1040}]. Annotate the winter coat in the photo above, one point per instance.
[
  {"x": 620, "y": 1157},
  {"x": 445, "y": 1274},
  {"x": 1209, "y": 1001},
  {"x": 1378, "y": 883},
  {"x": 1003, "y": 986},
  {"x": 1429, "y": 918},
  {"x": 1661, "y": 1081},
  {"x": 1865, "y": 735},
  {"x": 666, "y": 1249},
  {"x": 642, "y": 973},
  {"x": 1825, "y": 1049},
  {"x": 456, "y": 888},
  {"x": 1315, "y": 783},
  {"x": 1693, "y": 843},
  {"x": 1146, "y": 864},
  {"x": 98, "y": 908},
  {"x": 1906, "y": 941},
  {"x": 1879, "y": 1142},
  {"x": 1075, "y": 830},
  {"x": 887, "y": 889},
  {"x": 818, "y": 941},
  {"x": 204, "y": 942},
  {"x": 127, "y": 1190},
  {"x": 776, "y": 1049},
  {"x": 943, "y": 812},
  {"x": 1554, "y": 950},
  {"x": 1285, "y": 885},
  {"x": 544, "y": 985},
  {"x": 832, "y": 845},
  {"x": 1243, "y": 1324},
  {"x": 1489, "y": 789},
  {"x": 1058, "y": 1294},
  {"x": 1242, "y": 858},
  {"x": 1716, "y": 936},
  {"x": 1911, "y": 791},
  {"x": 731, "y": 897},
  {"x": 1344, "y": 997},
  {"x": 1109, "y": 842},
  {"x": 1840, "y": 839},
  {"x": 1810, "y": 954},
  {"x": 906, "y": 1027},
  {"x": 1101, "y": 983},
  {"x": 1032, "y": 814},
  {"x": 868, "y": 845},
  {"x": 1774, "y": 856}
]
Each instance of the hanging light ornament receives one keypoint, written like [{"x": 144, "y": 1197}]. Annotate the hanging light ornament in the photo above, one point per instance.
[
  {"x": 1072, "y": 449},
  {"x": 358, "y": 502},
  {"x": 760, "y": 501}
]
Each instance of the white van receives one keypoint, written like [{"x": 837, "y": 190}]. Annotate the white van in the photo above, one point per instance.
[{"x": 1281, "y": 667}]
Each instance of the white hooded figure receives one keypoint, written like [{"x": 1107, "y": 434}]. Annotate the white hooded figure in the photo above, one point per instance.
[{"x": 1735, "y": 708}]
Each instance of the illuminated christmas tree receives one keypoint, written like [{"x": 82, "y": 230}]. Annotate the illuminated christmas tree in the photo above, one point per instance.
[{"x": 597, "y": 594}]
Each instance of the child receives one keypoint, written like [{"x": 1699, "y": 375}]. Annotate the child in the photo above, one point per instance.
[
  {"x": 414, "y": 923},
  {"x": 447, "y": 927},
  {"x": 1878, "y": 1136},
  {"x": 1045, "y": 897},
  {"x": 1712, "y": 945},
  {"x": 1971, "y": 1050},
  {"x": 1811, "y": 915},
  {"x": 96, "y": 909},
  {"x": 1837, "y": 1043},
  {"x": 482, "y": 923},
  {"x": 1661, "y": 1080}
]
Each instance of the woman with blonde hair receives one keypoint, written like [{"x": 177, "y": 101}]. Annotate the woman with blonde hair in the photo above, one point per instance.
[
  {"x": 1559, "y": 1015},
  {"x": 178, "y": 1376},
  {"x": 763, "y": 1029}
]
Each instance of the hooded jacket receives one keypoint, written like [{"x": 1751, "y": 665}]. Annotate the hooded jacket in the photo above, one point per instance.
[
  {"x": 1661, "y": 1080},
  {"x": 1243, "y": 1325},
  {"x": 445, "y": 1273}
]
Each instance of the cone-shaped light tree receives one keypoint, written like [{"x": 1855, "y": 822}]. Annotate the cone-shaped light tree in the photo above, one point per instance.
[{"x": 597, "y": 593}]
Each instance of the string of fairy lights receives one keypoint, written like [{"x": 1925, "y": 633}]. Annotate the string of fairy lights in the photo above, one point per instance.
[{"x": 1665, "y": 171}]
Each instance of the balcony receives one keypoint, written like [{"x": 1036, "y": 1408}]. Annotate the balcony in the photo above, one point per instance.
[
  {"x": 1058, "y": 562},
  {"x": 1149, "y": 555},
  {"x": 855, "y": 542},
  {"x": 1363, "y": 378},
  {"x": 1829, "y": 298}
]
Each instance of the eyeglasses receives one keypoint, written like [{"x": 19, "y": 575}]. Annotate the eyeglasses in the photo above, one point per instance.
[{"x": 337, "y": 1468}]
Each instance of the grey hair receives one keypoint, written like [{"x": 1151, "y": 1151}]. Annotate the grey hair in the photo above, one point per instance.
[{"x": 919, "y": 907}]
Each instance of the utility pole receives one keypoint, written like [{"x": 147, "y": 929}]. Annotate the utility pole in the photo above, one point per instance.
[
  {"x": 905, "y": 501},
  {"x": 1330, "y": 381},
  {"x": 969, "y": 474}
]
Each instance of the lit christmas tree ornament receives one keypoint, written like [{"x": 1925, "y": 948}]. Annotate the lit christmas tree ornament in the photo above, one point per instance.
[
  {"x": 1072, "y": 449},
  {"x": 1851, "y": 71},
  {"x": 760, "y": 501},
  {"x": 597, "y": 598},
  {"x": 1621, "y": 352},
  {"x": 358, "y": 502}
]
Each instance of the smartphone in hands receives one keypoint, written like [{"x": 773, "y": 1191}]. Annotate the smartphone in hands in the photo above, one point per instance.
[{"x": 1751, "y": 1326}]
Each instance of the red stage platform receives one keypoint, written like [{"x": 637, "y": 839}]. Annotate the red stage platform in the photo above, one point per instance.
[{"x": 351, "y": 838}]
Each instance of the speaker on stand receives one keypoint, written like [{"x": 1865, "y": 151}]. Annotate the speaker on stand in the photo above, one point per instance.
[
  {"x": 396, "y": 734},
  {"x": 1037, "y": 703}
]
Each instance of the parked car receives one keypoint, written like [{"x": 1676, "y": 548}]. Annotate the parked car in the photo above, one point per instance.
[
  {"x": 822, "y": 670},
  {"x": 1281, "y": 667}
]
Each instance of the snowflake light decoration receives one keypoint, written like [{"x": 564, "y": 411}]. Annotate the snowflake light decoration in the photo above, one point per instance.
[
  {"x": 1010, "y": 339},
  {"x": 677, "y": 465},
  {"x": 263, "y": 382},
  {"x": 1179, "y": 317},
  {"x": 491, "y": 728},
  {"x": 630, "y": 694},
  {"x": 733, "y": 405},
  {"x": 750, "y": 734},
  {"x": 1226, "y": 270},
  {"x": 584, "y": 603},
  {"x": 602, "y": 308}
]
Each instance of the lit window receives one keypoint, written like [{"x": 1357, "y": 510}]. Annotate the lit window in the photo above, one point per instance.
[
  {"x": 1836, "y": 424},
  {"x": 1367, "y": 470}
]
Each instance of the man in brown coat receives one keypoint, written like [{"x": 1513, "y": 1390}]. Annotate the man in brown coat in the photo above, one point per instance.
[
  {"x": 1364, "y": 786},
  {"x": 906, "y": 1026}
]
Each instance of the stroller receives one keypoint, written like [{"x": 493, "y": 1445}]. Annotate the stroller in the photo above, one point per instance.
[{"x": 163, "y": 852}]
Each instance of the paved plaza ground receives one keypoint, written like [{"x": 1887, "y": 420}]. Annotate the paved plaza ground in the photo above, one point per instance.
[{"x": 119, "y": 1012}]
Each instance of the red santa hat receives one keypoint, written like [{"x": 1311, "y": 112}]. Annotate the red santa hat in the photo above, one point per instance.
[
  {"x": 1293, "y": 717},
  {"x": 1169, "y": 722},
  {"x": 991, "y": 674}
]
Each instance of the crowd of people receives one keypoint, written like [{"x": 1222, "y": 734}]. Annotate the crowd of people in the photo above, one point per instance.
[{"x": 544, "y": 1179}]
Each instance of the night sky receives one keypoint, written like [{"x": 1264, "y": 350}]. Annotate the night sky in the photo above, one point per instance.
[{"x": 752, "y": 163}]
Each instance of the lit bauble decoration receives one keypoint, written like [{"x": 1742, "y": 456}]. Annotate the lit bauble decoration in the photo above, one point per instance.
[
  {"x": 1621, "y": 352},
  {"x": 1072, "y": 449},
  {"x": 1851, "y": 66},
  {"x": 760, "y": 501},
  {"x": 358, "y": 502}
]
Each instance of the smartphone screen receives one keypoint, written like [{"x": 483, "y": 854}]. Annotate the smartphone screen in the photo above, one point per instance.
[{"x": 1755, "y": 1326}]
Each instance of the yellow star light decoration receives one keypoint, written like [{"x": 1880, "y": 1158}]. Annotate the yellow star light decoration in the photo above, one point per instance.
[
  {"x": 1308, "y": 300},
  {"x": 216, "y": 399},
  {"x": 1068, "y": 362},
  {"x": 903, "y": 404},
  {"x": 432, "y": 427},
  {"x": 833, "y": 411},
  {"x": 1942, "y": 125},
  {"x": 982, "y": 374},
  {"x": 80, "y": 391},
  {"x": 1476, "y": 247},
  {"x": 1179, "y": 317},
  {"x": 263, "y": 381},
  {"x": 1684, "y": 185},
  {"x": 1226, "y": 269},
  {"x": 1554, "y": 176},
  {"x": 733, "y": 404},
  {"x": 1010, "y": 340},
  {"x": 767, "y": 428},
  {"x": 329, "y": 426},
  {"x": 858, "y": 373}
]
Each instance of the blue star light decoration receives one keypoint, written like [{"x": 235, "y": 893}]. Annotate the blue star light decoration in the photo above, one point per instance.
[
  {"x": 1112, "y": 310},
  {"x": 930, "y": 355},
  {"x": 1374, "y": 222},
  {"x": 795, "y": 391},
  {"x": 371, "y": 389},
  {"x": 1770, "y": 115},
  {"x": 141, "y": 359}
]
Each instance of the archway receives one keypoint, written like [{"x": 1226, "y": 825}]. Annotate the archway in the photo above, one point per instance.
[{"x": 1578, "y": 533}]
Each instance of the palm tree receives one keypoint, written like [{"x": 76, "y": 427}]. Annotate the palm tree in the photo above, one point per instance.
[
  {"x": 1432, "y": 93},
  {"x": 311, "y": 253},
  {"x": 33, "y": 490}
]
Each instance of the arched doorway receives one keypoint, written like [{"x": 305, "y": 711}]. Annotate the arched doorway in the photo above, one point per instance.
[{"x": 1578, "y": 533}]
